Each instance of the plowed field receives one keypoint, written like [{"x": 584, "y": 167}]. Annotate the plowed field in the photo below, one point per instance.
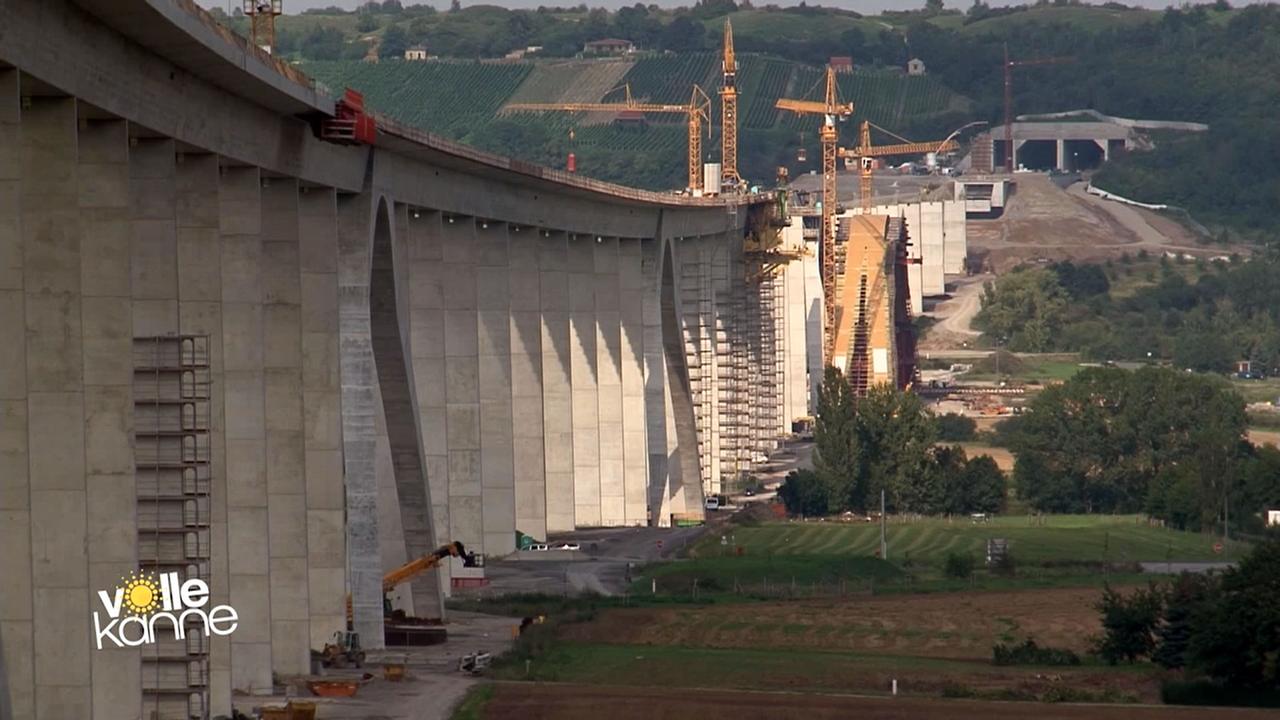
[
  {"x": 581, "y": 702},
  {"x": 952, "y": 625}
]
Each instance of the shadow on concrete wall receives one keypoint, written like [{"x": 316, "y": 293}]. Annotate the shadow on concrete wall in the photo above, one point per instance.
[
  {"x": 682, "y": 464},
  {"x": 400, "y": 413}
]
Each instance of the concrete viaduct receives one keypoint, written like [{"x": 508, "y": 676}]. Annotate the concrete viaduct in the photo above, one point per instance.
[{"x": 238, "y": 352}]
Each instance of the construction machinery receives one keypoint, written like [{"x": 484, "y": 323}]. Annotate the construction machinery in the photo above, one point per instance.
[
  {"x": 832, "y": 111},
  {"x": 344, "y": 649},
  {"x": 417, "y": 566},
  {"x": 729, "y": 177},
  {"x": 866, "y": 153},
  {"x": 698, "y": 112},
  {"x": 1008, "y": 67},
  {"x": 262, "y": 21}
]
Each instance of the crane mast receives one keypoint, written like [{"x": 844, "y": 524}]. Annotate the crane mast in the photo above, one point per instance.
[
  {"x": 729, "y": 177},
  {"x": 262, "y": 26},
  {"x": 698, "y": 112},
  {"x": 1009, "y": 65},
  {"x": 831, "y": 110},
  {"x": 865, "y": 152}
]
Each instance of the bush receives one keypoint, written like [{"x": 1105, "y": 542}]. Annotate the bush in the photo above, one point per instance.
[
  {"x": 1206, "y": 692},
  {"x": 958, "y": 565},
  {"x": 1029, "y": 653},
  {"x": 1129, "y": 623},
  {"x": 954, "y": 427}
]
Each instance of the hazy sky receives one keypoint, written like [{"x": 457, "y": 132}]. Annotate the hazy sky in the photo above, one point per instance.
[{"x": 862, "y": 6}]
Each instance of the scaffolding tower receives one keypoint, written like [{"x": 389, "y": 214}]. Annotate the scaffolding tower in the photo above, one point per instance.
[{"x": 172, "y": 420}]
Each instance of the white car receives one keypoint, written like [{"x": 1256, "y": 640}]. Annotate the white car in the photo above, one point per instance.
[
  {"x": 569, "y": 546},
  {"x": 538, "y": 547}
]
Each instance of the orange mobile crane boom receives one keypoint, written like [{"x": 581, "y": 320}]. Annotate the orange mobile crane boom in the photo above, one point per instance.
[
  {"x": 865, "y": 152},
  {"x": 414, "y": 567},
  {"x": 729, "y": 177},
  {"x": 831, "y": 110},
  {"x": 698, "y": 111}
]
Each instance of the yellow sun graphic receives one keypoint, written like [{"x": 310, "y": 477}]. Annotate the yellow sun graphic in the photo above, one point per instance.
[{"x": 141, "y": 595}]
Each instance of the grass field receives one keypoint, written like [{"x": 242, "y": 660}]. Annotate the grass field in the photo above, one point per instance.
[
  {"x": 794, "y": 670},
  {"x": 763, "y": 701},
  {"x": 956, "y": 626},
  {"x": 1257, "y": 390},
  {"x": 1061, "y": 538},
  {"x": 1054, "y": 368}
]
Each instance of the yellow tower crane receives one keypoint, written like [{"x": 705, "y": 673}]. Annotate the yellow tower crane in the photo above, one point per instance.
[
  {"x": 729, "y": 177},
  {"x": 698, "y": 112},
  {"x": 865, "y": 152},
  {"x": 831, "y": 111}
]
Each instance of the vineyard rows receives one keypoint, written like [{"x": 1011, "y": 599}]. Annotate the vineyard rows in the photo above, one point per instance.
[
  {"x": 670, "y": 78},
  {"x": 774, "y": 76},
  {"x": 444, "y": 97}
]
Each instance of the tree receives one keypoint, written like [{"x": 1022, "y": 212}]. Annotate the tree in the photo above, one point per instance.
[
  {"x": 984, "y": 485},
  {"x": 394, "y": 43},
  {"x": 1025, "y": 306},
  {"x": 367, "y": 22},
  {"x": 1236, "y": 634},
  {"x": 933, "y": 7},
  {"x": 1108, "y": 440},
  {"x": 684, "y": 34},
  {"x": 894, "y": 435},
  {"x": 1081, "y": 281},
  {"x": 835, "y": 441},
  {"x": 1128, "y": 623},
  {"x": 803, "y": 494},
  {"x": 323, "y": 43},
  {"x": 954, "y": 427},
  {"x": 950, "y": 463},
  {"x": 1186, "y": 595}
]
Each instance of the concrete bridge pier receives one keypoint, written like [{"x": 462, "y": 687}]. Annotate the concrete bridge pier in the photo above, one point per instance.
[{"x": 284, "y": 366}]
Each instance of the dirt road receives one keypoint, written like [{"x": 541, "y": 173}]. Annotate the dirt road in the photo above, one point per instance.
[
  {"x": 955, "y": 315},
  {"x": 1143, "y": 225},
  {"x": 558, "y": 701},
  {"x": 1045, "y": 222}
]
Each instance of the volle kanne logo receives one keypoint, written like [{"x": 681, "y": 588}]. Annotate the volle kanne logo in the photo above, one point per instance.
[{"x": 153, "y": 607}]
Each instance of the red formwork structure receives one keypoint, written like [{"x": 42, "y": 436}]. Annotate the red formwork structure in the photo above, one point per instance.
[{"x": 350, "y": 125}]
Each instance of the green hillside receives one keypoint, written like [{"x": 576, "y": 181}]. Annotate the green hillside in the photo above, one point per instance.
[
  {"x": 462, "y": 100},
  {"x": 444, "y": 97},
  {"x": 1206, "y": 62}
]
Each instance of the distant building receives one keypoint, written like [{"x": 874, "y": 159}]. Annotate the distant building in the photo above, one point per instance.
[
  {"x": 841, "y": 63},
  {"x": 609, "y": 46},
  {"x": 417, "y": 52},
  {"x": 915, "y": 66}
]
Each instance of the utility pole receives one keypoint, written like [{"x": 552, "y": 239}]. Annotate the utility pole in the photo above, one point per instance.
[
  {"x": 1226, "y": 521},
  {"x": 884, "y": 545}
]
